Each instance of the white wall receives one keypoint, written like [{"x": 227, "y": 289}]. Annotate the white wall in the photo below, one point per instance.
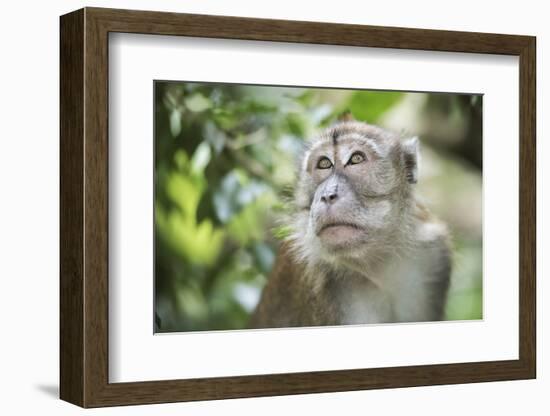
[{"x": 29, "y": 206}]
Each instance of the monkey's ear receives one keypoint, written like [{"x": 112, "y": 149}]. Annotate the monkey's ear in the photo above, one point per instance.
[
  {"x": 410, "y": 158},
  {"x": 346, "y": 116}
]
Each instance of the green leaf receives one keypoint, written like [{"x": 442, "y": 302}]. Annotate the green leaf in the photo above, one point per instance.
[
  {"x": 181, "y": 159},
  {"x": 175, "y": 122},
  {"x": 198, "y": 244},
  {"x": 185, "y": 192},
  {"x": 201, "y": 158},
  {"x": 369, "y": 106},
  {"x": 297, "y": 124},
  {"x": 197, "y": 103},
  {"x": 249, "y": 224}
]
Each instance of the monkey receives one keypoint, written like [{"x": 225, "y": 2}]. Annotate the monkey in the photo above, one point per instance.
[{"x": 363, "y": 248}]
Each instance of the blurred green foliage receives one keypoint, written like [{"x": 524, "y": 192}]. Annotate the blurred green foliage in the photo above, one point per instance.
[{"x": 224, "y": 167}]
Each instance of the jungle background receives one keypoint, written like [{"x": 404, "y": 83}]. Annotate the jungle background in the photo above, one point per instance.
[{"x": 225, "y": 158}]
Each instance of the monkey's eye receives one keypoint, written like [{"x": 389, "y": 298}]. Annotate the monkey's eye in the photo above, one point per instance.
[
  {"x": 324, "y": 163},
  {"x": 356, "y": 158}
]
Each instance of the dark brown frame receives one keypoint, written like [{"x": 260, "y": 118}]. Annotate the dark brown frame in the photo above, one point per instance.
[{"x": 84, "y": 207}]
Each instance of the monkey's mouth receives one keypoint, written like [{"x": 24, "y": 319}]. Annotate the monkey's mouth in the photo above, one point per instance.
[
  {"x": 338, "y": 236},
  {"x": 339, "y": 224}
]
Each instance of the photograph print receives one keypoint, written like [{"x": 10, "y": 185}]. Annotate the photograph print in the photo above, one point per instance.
[{"x": 294, "y": 206}]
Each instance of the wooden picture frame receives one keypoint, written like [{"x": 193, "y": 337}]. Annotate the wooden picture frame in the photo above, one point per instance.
[{"x": 84, "y": 207}]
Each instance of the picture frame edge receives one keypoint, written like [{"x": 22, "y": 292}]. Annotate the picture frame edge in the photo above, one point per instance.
[{"x": 84, "y": 218}]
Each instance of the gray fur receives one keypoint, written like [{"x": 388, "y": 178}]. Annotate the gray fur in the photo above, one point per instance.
[{"x": 363, "y": 249}]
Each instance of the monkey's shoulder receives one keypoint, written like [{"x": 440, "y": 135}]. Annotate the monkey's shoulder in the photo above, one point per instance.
[
  {"x": 282, "y": 302},
  {"x": 428, "y": 229}
]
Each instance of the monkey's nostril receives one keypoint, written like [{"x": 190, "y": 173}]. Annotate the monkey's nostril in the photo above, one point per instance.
[{"x": 330, "y": 198}]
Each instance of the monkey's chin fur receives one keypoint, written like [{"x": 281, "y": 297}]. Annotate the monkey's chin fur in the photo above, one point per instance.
[{"x": 341, "y": 236}]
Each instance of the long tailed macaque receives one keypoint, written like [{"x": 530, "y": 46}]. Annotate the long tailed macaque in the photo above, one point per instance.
[{"x": 363, "y": 249}]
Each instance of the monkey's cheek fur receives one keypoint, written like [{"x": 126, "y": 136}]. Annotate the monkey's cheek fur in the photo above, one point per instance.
[{"x": 341, "y": 236}]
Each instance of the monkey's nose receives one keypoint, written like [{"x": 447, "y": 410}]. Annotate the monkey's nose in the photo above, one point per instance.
[{"x": 329, "y": 197}]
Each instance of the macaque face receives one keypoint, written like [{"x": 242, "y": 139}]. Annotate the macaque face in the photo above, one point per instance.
[{"x": 354, "y": 180}]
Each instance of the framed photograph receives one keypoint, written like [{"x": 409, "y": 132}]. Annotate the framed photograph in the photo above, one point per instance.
[{"x": 255, "y": 207}]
